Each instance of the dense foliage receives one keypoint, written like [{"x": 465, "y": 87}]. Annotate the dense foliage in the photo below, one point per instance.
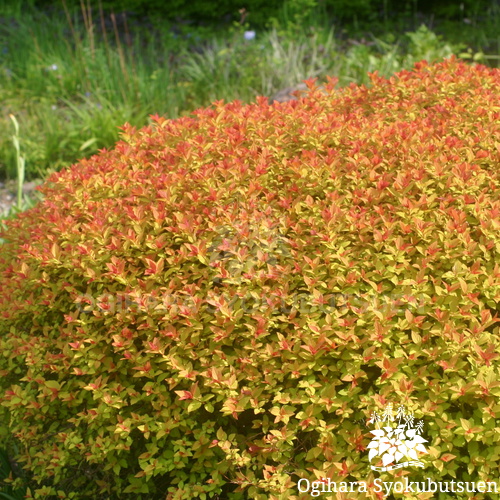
[
  {"x": 218, "y": 304},
  {"x": 260, "y": 11}
]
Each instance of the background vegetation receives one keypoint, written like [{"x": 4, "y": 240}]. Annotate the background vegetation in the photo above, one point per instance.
[{"x": 71, "y": 73}]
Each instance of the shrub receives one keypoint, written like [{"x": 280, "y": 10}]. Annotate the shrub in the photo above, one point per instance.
[{"x": 217, "y": 306}]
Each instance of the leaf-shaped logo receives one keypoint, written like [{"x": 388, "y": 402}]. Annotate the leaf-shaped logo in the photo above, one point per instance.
[{"x": 393, "y": 444}]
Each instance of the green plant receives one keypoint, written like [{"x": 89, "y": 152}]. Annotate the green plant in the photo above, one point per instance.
[
  {"x": 424, "y": 44},
  {"x": 67, "y": 92},
  {"x": 294, "y": 15},
  {"x": 23, "y": 203},
  {"x": 216, "y": 306},
  {"x": 7, "y": 478},
  {"x": 20, "y": 163}
]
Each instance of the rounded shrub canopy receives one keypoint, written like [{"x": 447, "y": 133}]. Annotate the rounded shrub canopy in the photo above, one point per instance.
[{"x": 219, "y": 304}]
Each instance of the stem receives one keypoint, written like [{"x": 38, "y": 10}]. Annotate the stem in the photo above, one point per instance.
[{"x": 20, "y": 163}]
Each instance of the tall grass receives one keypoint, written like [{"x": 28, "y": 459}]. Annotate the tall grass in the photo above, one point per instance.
[
  {"x": 71, "y": 88},
  {"x": 20, "y": 163}
]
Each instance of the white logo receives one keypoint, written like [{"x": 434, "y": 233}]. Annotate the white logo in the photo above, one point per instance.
[{"x": 396, "y": 437}]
